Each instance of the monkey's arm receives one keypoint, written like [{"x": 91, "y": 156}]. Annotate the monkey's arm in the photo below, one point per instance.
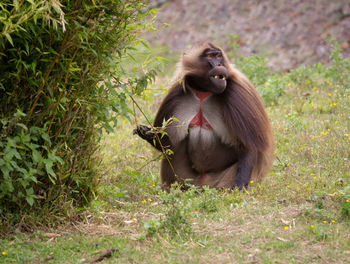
[
  {"x": 160, "y": 142},
  {"x": 244, "y": 170}
]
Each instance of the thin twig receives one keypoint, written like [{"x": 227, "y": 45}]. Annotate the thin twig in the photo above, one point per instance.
[{"x": 148, "y": 162}]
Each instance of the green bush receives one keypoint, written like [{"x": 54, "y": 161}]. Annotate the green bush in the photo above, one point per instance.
[
  {"x": 269, "y": 86},
  {"x": 61, "y": 85}
]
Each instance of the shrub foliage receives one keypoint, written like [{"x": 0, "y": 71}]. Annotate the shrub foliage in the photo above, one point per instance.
[{"x": 61, "y": 83}]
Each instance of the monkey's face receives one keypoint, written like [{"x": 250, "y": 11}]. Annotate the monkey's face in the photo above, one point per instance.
[
  {"x": 207, "y": 71},
  {"x": 217, "y": 73}
]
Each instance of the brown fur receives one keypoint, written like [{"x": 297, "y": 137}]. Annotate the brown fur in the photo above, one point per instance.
[{"x": 242, "y": 112}]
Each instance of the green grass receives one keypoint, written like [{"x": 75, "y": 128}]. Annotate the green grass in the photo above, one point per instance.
[{"x": 299, "y": 214}]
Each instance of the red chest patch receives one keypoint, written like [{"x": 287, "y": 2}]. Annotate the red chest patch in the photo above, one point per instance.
[{"x": 199, "y": 120}]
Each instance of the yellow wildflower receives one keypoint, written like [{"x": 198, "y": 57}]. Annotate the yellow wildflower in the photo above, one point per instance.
[
  {"x": 312, "y": 226},
  {"x": 286, "y": 228},
  {"x": 3, "y": 253}
]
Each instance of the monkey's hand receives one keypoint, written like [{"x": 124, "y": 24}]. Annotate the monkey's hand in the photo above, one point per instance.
[
  {"x": 244, "y": 170},
  {"x": 144, "y": 132},
  {"x": 161, "y": 142}
]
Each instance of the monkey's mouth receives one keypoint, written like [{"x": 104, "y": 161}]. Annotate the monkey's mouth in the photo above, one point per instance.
[{"x": 218, "y": 76}]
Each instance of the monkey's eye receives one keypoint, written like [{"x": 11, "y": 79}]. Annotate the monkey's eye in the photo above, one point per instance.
[
  {"x": 209, "y": 56},
  {"x": 219, "y": 56}
]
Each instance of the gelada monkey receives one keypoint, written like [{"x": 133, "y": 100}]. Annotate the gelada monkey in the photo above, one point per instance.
[{"x": 220, "y": 135}]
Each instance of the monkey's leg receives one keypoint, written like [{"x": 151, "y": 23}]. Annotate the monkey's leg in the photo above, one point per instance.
[
  {"x": 244, "y": 170},
  {"x": 220, "y": 179},
  {"x": 177, "y": 168},
  {"x": 145, "y": 133},
  {"x": 167, "y": 175}
]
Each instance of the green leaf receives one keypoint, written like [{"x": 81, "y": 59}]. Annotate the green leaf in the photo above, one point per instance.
[
  {"x": 30, "y": 191},
  {"x": 53, "y": 51},
  {"x": 30, "y": 200},
  {"x": 22, "y": 126},
  {"x": 49, "y": 170},
  {"x": 19, "y": 114},
  {"x": 60, "y": 161},
  {"x": 7, "y": 35},
  {"x": 13, "y": 152},
  {"x": 163, "y": 134},
  {"x": 46, "y": 137},
  {"x": 36, "y": 156},
  {"x": 145, "y": 45},
  {"x": 6, "y": 171}
]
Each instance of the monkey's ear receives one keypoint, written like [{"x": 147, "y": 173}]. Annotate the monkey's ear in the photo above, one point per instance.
[{"x": 211, "y": 45}]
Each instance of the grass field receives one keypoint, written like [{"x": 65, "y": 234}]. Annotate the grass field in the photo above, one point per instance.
[{"x": 299, "y": 214}]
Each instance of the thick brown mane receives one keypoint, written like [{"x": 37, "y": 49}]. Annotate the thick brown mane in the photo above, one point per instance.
[{"x": 244, "y": 114}]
